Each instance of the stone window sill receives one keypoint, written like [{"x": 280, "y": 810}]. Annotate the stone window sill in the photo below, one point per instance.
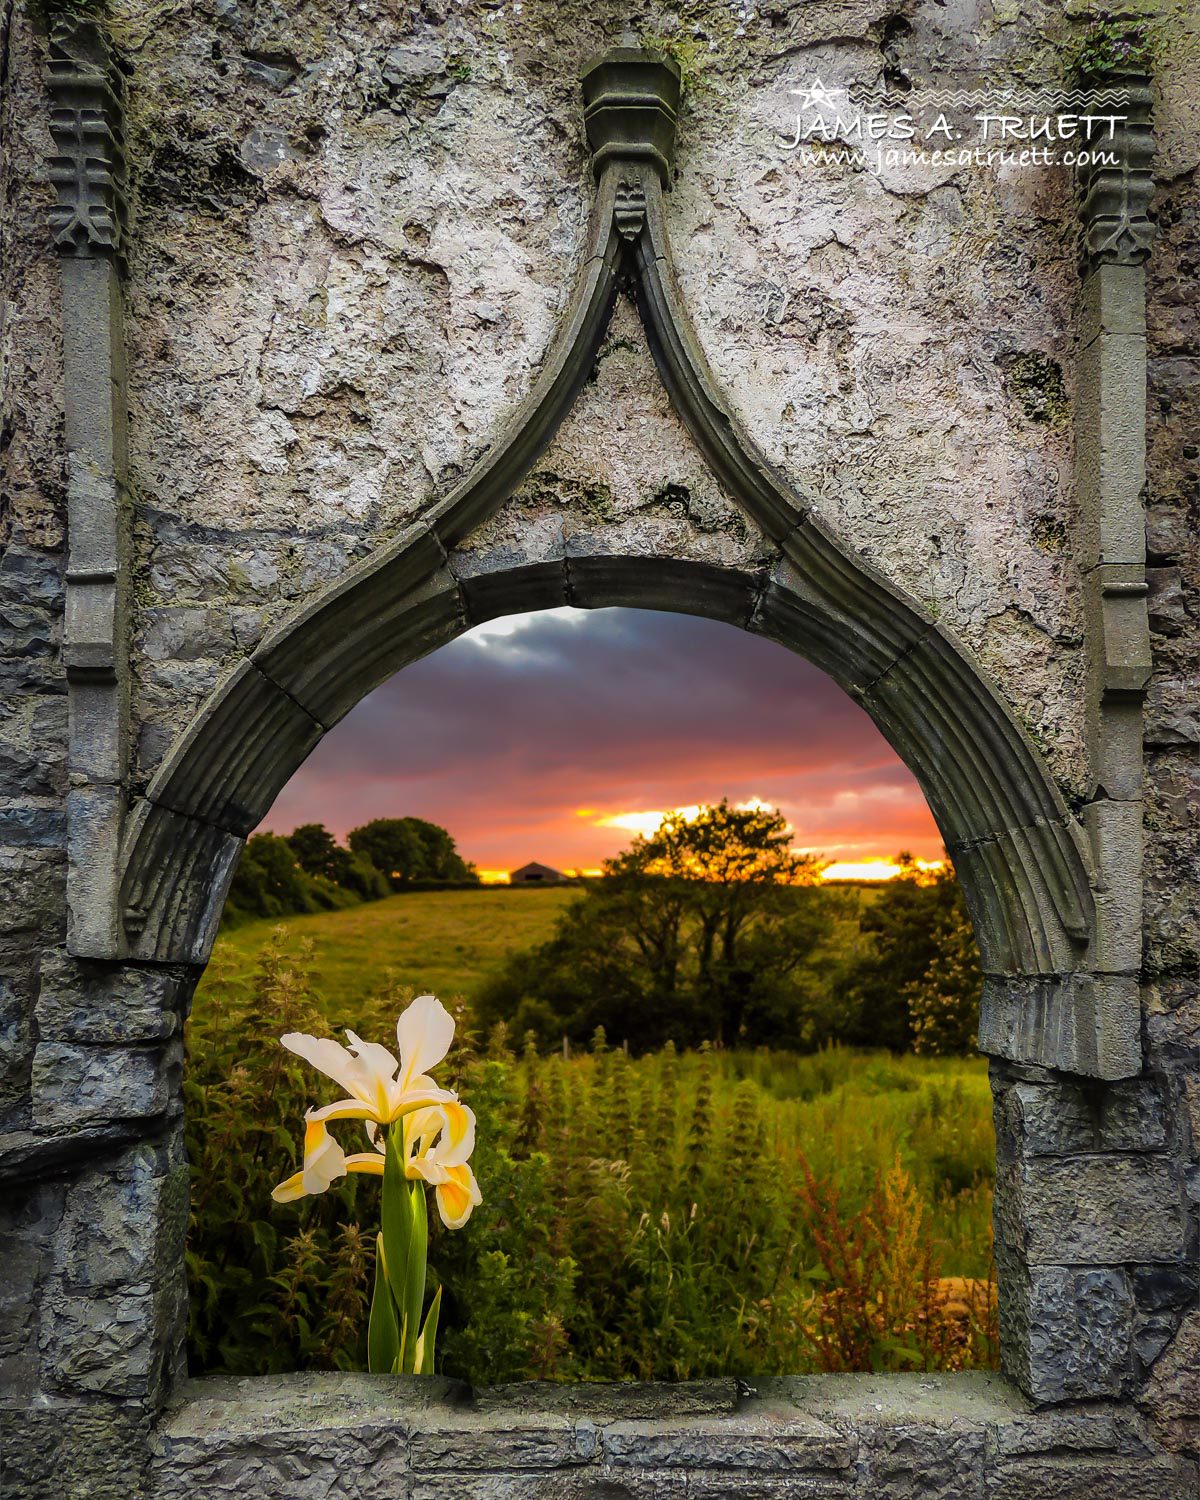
[{"x": 961, "y": 1436}]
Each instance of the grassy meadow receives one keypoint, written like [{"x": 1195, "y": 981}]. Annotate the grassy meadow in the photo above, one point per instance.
[
  {"x": 438, "y": 942},
  {"x": 662, "y": 1217}
]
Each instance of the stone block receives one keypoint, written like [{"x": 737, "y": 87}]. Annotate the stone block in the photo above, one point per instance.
[
  {"x": 724, "y": 1485},
  {"x": 598, "y": 581},
  {"x": 16, "y": 1036},
  {"x": 1112, "y": 300},
  {"x": 577, "y": 1484},
  {"x": 514, "y": 590},
  {"x": 1076, "y": 1478},
  {"x": 759, "y": 1442},
  {"x": 1115, "y": 831},
  {"x": 1061, "y": 1119},
  {"x": 299, "y": 1464},
  {"x": 1118, "y": 633},
  {"x": 1080, "y": 1023},
  {"x": 1111, "y": 448},
  {"x": 29, "y": 1219},
  {"x": 74, "y": 1085},
  {"x": 1097, "y": 1210},
  {"x": 123, "y": 1226},
  {"x": 237, "y": 753},
  {"x": 1108, "y": 1429},
  {"x": 83, "y": 1002},
  {"x": 174, "y": 886},
  {"x": 98, "y": 749},
  {"x": 602, "y": 1402},
  {"x": 1069, "y": 1331},
  {"x": 73, "y": 1450},
  {"x": 913, "y": 1462},
  {"x": 855, "y": 650},
  {"x": 1166, "y": 601},
  {"x": 112, "y": 1344},
  {"x": 1115, "y": 736},
  {"x": 1172, "y": 1395},
  {"x": 1165, "y": 1288},
  {"x": 95, "y": 822},
  {"x": 1168, "y": 532},
  {"x": 33, "y": 827},
  {"x": 471, "y": 1441}
]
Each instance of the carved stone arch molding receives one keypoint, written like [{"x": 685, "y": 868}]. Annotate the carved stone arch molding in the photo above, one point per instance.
[{"x": 1022, "y": 858}]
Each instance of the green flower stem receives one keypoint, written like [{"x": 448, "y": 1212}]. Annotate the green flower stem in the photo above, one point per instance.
[{"x": 396, "y": 1341}]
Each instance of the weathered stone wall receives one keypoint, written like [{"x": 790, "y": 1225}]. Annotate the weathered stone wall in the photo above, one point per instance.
[{"x": 354, "y": 230}]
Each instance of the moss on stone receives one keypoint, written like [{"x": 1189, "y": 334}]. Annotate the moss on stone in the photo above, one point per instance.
[
  {"x": 1035, "y": 381},
  {"x": 1111, "y": 44}
]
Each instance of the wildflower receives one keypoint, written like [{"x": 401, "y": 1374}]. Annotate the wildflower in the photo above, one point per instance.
[
  {"x": 419, "y": 1135},
  {"x": 382, "y": 1089},
  {"x": 444, "y": 1137}
]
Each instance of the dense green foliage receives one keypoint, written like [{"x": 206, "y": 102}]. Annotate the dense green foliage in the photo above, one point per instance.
[
  {"x": 713, "y": 930},
  {"x": 409, "y": 850},
  {"x": 320, "y": 855},
  {"x": 271, "y": 882},
  {"x": 700, "y": 931},
  {"x": 943, "y": 1005},
  {"x": 309, "y": 871},
  {"x": 920, "y": 960},
  {"x": 672, "y": 1216}
]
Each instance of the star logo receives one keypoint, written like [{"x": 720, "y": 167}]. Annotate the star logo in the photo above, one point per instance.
[{"x": 817, "y": 96}]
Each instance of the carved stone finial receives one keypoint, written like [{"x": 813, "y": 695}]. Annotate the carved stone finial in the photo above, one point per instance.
[
  {"x": 631, "y": 103},
  {"x": 87, "y": 124},
  {"x": 629, "y": 211},
  {"x": 1115, "y": 197}
]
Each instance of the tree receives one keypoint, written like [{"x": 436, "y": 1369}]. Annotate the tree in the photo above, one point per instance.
[
  {"x": 724, "y": 869},
  {"x": 316, "y": 849},
  {"x": 269, "y": 881},
  {"x": 910, "y": 923},
  {"x": 943, "y": 1007},
  {"x": 695, "y": 933},
  {"x": 408, "y": 850},
  {"x": 320, "y": 854}
]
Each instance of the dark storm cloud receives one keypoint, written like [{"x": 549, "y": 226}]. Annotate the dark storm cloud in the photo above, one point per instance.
[{"x": 503, "y": 738}]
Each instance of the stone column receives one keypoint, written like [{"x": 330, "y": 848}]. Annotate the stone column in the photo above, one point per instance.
[
  {"x": 88, "y": 224},
  {"x": 93, "y": 1180},
  {"x": 1089, "y": 1208}
]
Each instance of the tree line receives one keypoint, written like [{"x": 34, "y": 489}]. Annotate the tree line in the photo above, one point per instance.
[
  {"x": 308, "y": 870},
  {"x": 714, "y": 930}
]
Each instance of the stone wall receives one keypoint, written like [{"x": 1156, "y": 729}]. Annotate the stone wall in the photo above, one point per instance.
[
  {"x": 845, "y": 1437},
  {"x": 353, "y": 233}
]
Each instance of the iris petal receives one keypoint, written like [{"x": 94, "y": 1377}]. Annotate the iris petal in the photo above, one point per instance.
[{"x": 424, "y": 1033}]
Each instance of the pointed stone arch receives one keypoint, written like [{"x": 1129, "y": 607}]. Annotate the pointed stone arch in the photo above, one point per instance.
[{"x": 1020, "y": 854}]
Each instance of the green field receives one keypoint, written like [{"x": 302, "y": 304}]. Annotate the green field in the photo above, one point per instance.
[{"x": 441, "y": 942}]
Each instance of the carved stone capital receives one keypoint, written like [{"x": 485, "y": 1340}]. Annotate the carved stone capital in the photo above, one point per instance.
[
  {"x": 1115, "y": 197},
  {"x": 87, "y": 124},
  {"x": 631, "y": 104}
]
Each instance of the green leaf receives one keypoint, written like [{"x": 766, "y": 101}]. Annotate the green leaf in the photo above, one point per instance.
[
  {"x": 418, "y": 1254},
  {"x": 905, "y": 1353},
  {"x": 383, "y": 1330},
  {"x": 423, "y": 1364}
]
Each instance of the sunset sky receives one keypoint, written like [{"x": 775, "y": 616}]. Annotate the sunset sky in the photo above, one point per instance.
[{"x": 555, "y": 736}]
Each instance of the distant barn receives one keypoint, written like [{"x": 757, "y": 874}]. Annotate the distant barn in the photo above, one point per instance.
[{"x": 535, "y": 874}]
